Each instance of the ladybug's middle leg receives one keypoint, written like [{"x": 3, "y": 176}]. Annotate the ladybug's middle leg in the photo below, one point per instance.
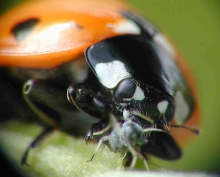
[{"x": 48, "y": 100}]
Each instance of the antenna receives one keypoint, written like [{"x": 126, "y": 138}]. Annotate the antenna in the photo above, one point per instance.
[{"x": 193, "y": 130}]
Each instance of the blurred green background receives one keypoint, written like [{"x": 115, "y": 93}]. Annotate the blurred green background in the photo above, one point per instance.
[{"x": 195, "y": 28}]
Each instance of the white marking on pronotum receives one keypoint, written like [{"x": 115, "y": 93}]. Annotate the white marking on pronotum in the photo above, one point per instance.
[
  {"x": 138, "y": 94},
  {"x": 110, "y": 74},
  {"x": 127, "y": 26},
  {"x": 182, "y": 108},
  {"x": 161, "y": 40},
  {"x": 162, "y": 106}
]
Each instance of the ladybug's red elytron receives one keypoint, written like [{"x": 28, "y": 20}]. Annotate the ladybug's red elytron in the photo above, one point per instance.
[{"x": 117, "y": 67}]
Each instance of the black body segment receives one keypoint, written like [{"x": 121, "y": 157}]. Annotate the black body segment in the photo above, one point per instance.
[{"x": 144, "y": 60}]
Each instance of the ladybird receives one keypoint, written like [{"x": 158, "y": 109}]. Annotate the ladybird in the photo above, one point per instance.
[{"x": 110, "y": 63}]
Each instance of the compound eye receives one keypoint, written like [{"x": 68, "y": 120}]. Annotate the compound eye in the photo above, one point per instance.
[{"x": 125, "y": 90}]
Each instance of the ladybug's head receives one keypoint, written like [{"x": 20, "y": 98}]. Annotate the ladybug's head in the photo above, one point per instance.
[
  {"x": 129, "y": 68},
  {"x": 142, "y": 101}
]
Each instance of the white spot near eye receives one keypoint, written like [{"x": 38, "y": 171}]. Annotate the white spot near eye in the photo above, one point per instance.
[
  {"x": 127, "y": 26},
  {"x": 110, "y": 74},
  {"x": 161, "y": 40},
  {"x": 138, "y": 94},
  {"x": 182, "y": 108},
  {"x": 162, "y": 106},
  {"x": 126, "y": 113}
]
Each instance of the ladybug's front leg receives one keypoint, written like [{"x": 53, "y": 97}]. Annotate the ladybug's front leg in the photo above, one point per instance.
[
  {"x": 97, "y": 128},
  {"x": 87, "y": 99}
]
